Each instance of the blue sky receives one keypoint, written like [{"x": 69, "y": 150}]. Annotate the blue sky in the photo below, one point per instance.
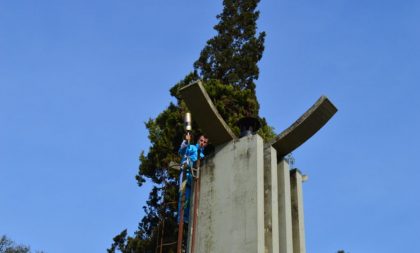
[{"x": 79, "y": 78}]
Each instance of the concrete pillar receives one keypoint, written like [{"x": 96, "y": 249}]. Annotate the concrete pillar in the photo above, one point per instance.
[
  {"x": 231, "y": 208},
  {"x": 297, "y": 212},
  {"x": 285, "y": 210},
  {"x": 271, "y": 219}
]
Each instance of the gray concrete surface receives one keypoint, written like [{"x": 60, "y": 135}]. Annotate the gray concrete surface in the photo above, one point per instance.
[
  {"x": 298, "y": 224},
  {"x": 285, "y": 208},
  {"x": 305, "y": 127},
  {"x": 271, "y": 205},
  {"x": 205, "y": 114},
  {"x": 231, "y": 207}
]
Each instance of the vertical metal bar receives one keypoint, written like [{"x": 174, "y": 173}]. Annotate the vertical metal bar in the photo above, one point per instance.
[
  {"x": 163, "y": 233},
  {"x": 157, "y": 238},
  {"x": 196, "y": 198},
  {"x": 181, "y": 219}
]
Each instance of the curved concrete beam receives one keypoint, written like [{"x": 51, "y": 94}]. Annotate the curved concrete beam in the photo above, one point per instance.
[
  {"x": 205, "y": 114},
  {"x": 305, "y": 127}
]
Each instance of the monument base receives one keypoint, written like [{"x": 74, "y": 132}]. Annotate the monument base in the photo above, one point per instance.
[
  {"x": 250, "y": 202},
  {"x": 231, "y": 206}
]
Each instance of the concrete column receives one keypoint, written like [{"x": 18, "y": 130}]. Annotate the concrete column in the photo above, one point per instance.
[
  {"x": 271, "y": 219},
  {"x": 231, "y": 208},
  {"x": 285, "y": 210},
  {"x": 297, "y": 212}
]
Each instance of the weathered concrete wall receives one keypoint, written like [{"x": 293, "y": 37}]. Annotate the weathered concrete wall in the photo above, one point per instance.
[
  {"x": 231, "y": 207},
  {"x": 305, "y": 127},
  {"x": 205, "y": 113},
  {"x": 285, "y": 209},
  {"x": 297, "y": 212},
  {"x": 271, "y": 221},
  {"x": 249, "y": 201}
]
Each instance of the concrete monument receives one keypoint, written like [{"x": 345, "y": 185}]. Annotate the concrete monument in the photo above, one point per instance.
[{"x": 250, "y": 201}]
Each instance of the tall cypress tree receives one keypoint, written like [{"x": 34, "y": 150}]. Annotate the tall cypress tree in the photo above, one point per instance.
[
  {"x": 232, "y": 55},
  {"x": 228, "y": 67}
]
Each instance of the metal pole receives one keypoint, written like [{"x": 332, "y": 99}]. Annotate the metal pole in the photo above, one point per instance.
[
  {"x": 181, "y": 220},
  {"x": 196, "y": 198},
  {"x": 188, "y": 128},
  {"x": 157, "y": 238},
  {"x": 161, "y": 239}
]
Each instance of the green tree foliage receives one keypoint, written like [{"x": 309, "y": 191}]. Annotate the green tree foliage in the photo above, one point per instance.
[
  {"x": 231, "y": 55},
  {"x": 9, "y": 246},
  {"x": 228, "y": 67}
]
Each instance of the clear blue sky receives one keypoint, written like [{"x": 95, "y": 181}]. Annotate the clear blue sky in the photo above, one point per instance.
[{"x": 79, "y": 78}]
